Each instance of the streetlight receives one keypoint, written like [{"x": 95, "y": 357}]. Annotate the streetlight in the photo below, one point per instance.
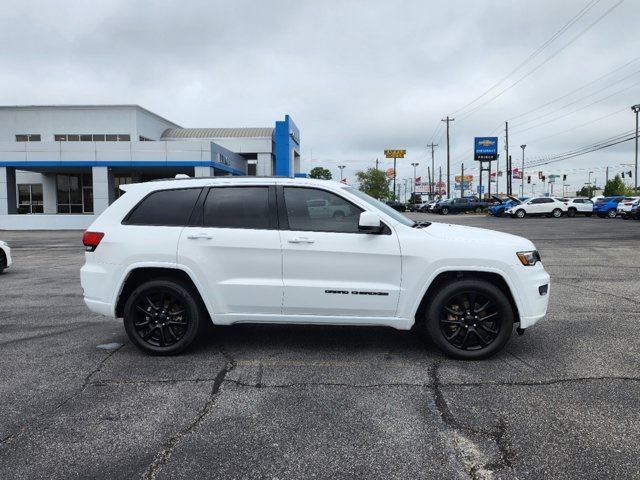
[
  {"x": 636, "y": 109},
  {"x": 522, "y": 172},
  {"x": 341, "y": 167},
  {"x": 414, "y": 165}
]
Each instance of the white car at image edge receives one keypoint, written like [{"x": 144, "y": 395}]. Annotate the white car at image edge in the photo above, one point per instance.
[
  {"x": 5, "y": 256},
  {"x": 548, "y": 206},
  {"x": 171, "y": 256},
  {"x": 626, "y": 205}
]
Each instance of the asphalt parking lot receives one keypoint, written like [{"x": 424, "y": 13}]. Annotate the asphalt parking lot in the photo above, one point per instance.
[{"x": 562, "y": 401}]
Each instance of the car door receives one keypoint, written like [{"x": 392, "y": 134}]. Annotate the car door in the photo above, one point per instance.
[
  {"x": 330, "y": 268},
  {"x": 234, "y": 249}
]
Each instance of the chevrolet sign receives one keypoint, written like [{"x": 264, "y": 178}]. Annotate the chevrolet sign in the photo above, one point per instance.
[{"x": 485, "y": 149}]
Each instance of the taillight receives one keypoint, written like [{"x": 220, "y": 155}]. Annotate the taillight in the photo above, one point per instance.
[{"x": 91, "y": 240}]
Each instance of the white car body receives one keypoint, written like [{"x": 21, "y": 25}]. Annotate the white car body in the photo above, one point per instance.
[
  {"x": 537, "y": 206},
  {"x": 580, "y": 205},
  {"x": 626, "y": 204},
  {"x": 5, "y": 261},
  {"x": 305, "y": 277}
]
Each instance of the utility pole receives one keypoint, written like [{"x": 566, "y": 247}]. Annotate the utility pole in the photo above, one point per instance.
[
  {"x": 341, "y": 167},
  {"x": 522, "y": 172},
  {"x": 414, "y": 165},
  {"x": 462, "y": 181},
  {"x": 376, "y": 164},
  {"x": 636, "y": 110},
  {"x": 430, "y": 184},
  {"x": 405, "y": 189},
  {"x": 440, "y": 175},
  {"x": 433, "y": 169},
  {"x": 606, "y": 176},
  {"x": 507, "y": 158},
  {"x": 448, "y": 121}
]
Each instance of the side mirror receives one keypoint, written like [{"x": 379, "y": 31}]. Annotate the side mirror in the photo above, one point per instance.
[{"x": 369, "y": 222}]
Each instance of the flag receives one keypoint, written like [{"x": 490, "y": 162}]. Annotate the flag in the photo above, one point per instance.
[
  {"x": 516, "y": 174},
  {"x": 418, "y": 180}
]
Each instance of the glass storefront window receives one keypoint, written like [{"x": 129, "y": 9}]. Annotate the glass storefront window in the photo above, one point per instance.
[
  {"x": 30, "y": 198},
  {"x": 75, "y": 193}
]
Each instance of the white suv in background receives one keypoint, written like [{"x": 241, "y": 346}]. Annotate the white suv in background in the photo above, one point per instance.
[
  {"x": 5, "y": 256},
  {"x": 578, "y": 206},
  {"x": 626, "y": 204},
  {"x": 171, "y": 256},
  {"x": 548, "y": 206}
]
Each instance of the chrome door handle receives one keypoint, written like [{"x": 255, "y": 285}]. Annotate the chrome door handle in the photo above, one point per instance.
[
  {"x": 197, "y": 236},
  {"x": 301, "y": 240}
]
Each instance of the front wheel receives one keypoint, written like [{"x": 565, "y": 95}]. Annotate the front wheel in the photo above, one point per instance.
[
  {"x": 444, "y": 211},
  {"x": 470, "y": 319},
  {"x": 612, "y": 213},
  {"x": 521, "y": 213},
  {"x": 162, "y": 317}
]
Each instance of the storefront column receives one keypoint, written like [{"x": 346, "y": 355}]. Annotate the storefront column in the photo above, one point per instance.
[
  {"x": 265, "y": 165},
  {"x": 49, "y": 193},
  {"x": 103, "y": 189},
  {"x": 8, "y": 191},
  {"x": 203, "y": 172}
]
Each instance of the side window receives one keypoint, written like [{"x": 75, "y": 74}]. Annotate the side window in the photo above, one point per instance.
[
  {"x": 535, "y": 201},
  {"x": 165, "y": 207},
  {"x": 238, "y": 207},
  {"x": 310, "y": 209},
  {"x": 547, "y": 200}
]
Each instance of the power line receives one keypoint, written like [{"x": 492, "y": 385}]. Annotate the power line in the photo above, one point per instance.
[
  {"x": 553, "y": 55},
  {"x": 624, "y": 109},
  {"x": 534, "y": 54}
]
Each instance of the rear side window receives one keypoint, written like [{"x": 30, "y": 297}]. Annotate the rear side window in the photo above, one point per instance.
[
  {"x": 238, "y": 207},
  {"x": 165, "y": 207}
]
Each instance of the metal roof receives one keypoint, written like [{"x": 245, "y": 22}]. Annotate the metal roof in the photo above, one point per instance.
[{"x": 179, "y": 133}]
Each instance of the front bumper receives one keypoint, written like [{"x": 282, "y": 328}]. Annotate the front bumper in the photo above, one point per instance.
[{"x": 533, "y": 304}]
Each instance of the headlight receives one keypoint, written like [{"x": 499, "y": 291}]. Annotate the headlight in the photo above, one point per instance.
[{"x": 529, "y": 259}]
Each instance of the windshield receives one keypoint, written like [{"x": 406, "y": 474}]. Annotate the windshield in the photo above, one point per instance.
[{"x": 380, "y": 206}]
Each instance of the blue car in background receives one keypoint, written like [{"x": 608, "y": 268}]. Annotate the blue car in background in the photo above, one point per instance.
[
  {"x": 498, "y": 208},
  {"x": 607, "y": 207}
]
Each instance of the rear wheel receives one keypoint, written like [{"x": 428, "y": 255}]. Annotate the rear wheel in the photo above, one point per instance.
[
  {"x": 520, "y": 213},
  {"x": 162, "y": 317},
  {"x": 557, "y": 213},
  {"x": 612, "y": 213},
  {"x": 470, "y": 319},
  {"x": 571, "y": 212}
]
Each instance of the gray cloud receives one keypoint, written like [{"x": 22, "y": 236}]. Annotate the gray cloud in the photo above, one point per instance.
[{"x": 357, "y": 76}]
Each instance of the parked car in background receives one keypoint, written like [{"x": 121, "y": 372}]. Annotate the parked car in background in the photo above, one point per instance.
[
  {"x": 607, "y": 207},
  {"x": 459, "y": 205},
  {"x": 635, "y": 212},
  {"x": 396, "y": 205},
  {"x": 417, "y": 207},
  {"x": 429, "y": 206},
  {"x": 501, "y": 204},
  {"x": 548, "y": 206},
  {"x": 626, "y": 205},
  {"x": 171, "y": 257},
  {"x": 578, "y": 206},
  {"x": 5, "y": 256}
]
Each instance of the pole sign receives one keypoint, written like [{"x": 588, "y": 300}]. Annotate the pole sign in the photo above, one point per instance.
[
  {"x": 395, "y": 153},
  {"x": 480, "y": 189},
  {"x": 485, "y": 149},
  {"x": 391, "y": 173}
]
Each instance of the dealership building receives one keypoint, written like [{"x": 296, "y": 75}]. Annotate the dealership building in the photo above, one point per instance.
[{"x": 60, "y": 166}]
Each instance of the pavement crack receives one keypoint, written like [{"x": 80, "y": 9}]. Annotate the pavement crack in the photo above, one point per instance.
[
  {"x": 472, "y": 456},
  {"x": 163, "y": 455},
  {"x": 325, "y": 384}
]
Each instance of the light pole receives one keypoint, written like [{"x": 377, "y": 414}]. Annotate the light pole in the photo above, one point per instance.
[
  {"x": 532, "y": 189},
  {"x": 522, "y": 172},
  {"x": 636, "y": 109},
  {"x": 341, "y": 167},
  {"x": 590, "y": 187},
  {"x": 414, "y": 165}
]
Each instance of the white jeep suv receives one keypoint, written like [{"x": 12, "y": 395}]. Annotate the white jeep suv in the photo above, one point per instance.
[{"x": 171, "y": 256}]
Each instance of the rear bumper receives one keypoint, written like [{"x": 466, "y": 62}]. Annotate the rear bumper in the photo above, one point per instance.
[{"x": 98, "y": 284}]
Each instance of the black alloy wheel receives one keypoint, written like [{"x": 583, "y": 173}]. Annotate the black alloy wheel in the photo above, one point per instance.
[
  {"x": 470, "y": 319},
  {"x": 162, "y": 317}
]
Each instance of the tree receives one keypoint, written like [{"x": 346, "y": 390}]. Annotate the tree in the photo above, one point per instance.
[
  {"x": 586, "y": 191},
  {"x": 615, "y": 186},
  {"x": 374, "y": 182},
  {"x": 321, "y": 173}
]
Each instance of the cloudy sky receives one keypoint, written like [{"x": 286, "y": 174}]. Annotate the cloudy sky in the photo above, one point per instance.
[{"x": 356, "y": 76}]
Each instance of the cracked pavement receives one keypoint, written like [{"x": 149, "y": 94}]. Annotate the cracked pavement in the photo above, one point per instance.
[{"x": 252, "y": 401}]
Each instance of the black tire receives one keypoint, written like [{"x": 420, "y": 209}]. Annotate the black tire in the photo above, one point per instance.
[
  {"x": 556, "y": 213},
  {"x": 444, "y": 211},
  {"x": 612, "y": 213},
  {"x": 486, "y": 326},
  {"x": 571, "y": 212},
  {"x": 3, "y": 261},
  {"x": 163, "y": 317},
  {"x": 520, "y": 213}
]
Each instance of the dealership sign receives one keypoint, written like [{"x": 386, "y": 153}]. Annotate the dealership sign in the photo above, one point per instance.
[
  {"x": 395, "y": 153},
  {"x": 485, "y": 149}
]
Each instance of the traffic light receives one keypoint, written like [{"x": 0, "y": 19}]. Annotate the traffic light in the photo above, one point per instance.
[
  {"x": 529, "y": 179},
  {"x": 629, "y": 173},
  {"x": 564, "y": 178},
  {"x": 543, "y": 178},
  {"x": 622, "y": 174}
]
